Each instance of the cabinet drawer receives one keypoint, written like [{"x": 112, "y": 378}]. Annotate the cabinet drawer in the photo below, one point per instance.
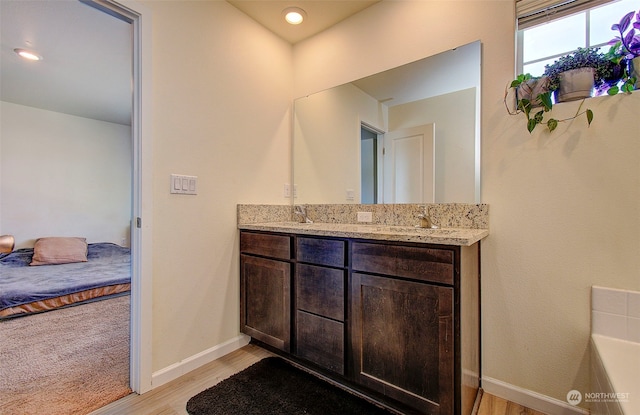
[
  {"x": 274, "y": 246},
  {"x": 328, "y": 252},
  {"x": 427, "y": 264},
  {"x": 320, "y": 341},
  {"x": 320, "y": 291}
]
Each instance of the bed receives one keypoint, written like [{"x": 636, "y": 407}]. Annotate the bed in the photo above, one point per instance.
[{"x": 26, "y": 289}]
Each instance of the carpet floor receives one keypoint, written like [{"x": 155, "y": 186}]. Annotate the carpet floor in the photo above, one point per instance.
[
  {"x": 274, "y": 387},
  {"x": 65, "y": 362}
]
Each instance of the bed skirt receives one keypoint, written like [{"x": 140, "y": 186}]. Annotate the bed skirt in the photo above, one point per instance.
[{"x": 65, "y": 300}]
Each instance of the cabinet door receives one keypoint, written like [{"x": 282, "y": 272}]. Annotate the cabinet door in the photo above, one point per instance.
[
  {"x": 265, "y": 300},
  {"x": 402, "y": 341}
]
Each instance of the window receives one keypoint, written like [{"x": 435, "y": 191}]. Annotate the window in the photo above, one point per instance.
[{"x": 543, "y": 36}]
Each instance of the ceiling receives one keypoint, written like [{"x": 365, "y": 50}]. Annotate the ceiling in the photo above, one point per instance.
[
  {"x": 321, "y": 14},
  {"x": 86, "y": 67}
]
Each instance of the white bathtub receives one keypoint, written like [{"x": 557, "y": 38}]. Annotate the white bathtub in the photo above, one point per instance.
[
  {"x": 615, "y": 376},
  {"x": 615, "y": 352}
]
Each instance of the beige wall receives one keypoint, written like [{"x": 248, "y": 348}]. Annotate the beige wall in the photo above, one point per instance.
[
  {"x": 563, "y": 206},
  {"x": 63, "y": 176},
  {"x": 221, "y": 111},
  {"x": 564, "y": 216}
]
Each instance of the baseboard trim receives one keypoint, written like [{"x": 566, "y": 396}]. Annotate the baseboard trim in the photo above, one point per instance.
[
  {"x": 185, "y": 366},
  {"x": 530, "y": 399}
]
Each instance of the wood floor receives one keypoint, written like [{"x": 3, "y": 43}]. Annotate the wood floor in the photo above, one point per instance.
[
  {"x": 492, "y": 405},
  {"x": 171, "y": 399}
]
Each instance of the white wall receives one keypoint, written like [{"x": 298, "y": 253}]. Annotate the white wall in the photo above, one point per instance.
[
  {"x": 455, "y": 140},
  {"x": 221, "y": 111},
  {"x": 63, "y": 176},
  {"x": 564, "y": 206}
]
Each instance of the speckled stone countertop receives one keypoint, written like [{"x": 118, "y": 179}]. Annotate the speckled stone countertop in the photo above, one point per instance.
[
  {"x": 460, "y": 224},
  {"x": 444, "y": 236}
]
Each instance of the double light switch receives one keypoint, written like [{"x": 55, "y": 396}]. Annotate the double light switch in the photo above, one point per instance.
[{"x": 185, "y": 185}]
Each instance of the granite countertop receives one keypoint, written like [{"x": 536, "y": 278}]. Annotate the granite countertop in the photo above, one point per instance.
[{"x": 444, "y": 236}]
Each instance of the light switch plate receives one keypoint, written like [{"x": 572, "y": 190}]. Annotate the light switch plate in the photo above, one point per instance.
[{"x": 183, "y": 185}]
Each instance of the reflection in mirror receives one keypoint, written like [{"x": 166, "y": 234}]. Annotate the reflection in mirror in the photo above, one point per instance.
[{"x": 407, "y": 135}]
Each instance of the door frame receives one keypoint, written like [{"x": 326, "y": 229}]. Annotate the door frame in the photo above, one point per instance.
[
  {"x": 379, "y": 157},
  {"x": 139, "y": 17}
]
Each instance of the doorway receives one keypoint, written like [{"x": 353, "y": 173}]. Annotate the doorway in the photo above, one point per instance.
[
  {"x": 371, "y": 164},
  {"x": 140, "y": 180},
  {"x": 368, "y": 166},
  {"x": 142, "y": 184}
]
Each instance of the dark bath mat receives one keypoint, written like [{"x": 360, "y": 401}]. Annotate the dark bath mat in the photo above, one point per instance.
[{"x": 274, "y": 387}]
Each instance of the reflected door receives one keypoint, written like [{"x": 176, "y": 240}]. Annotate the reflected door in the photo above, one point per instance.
[{"x": 409, "y": 165}]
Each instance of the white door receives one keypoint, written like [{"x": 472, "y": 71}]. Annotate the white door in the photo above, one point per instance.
[{"x": 409, "y": 165}]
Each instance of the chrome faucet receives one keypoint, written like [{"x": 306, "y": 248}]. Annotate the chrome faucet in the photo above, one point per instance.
[
  {"x": 425, "y": 219},
  {"x": 301, "y": 211}
]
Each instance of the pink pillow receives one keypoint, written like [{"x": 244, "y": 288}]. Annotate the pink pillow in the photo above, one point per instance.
[{"x": 59, "y": 250}]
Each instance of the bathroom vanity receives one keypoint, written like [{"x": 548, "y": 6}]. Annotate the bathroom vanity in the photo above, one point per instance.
[{"x": 390, "y": 312}]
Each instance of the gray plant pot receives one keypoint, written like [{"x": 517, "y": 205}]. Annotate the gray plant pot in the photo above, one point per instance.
[{"x": 575, "y": 84}]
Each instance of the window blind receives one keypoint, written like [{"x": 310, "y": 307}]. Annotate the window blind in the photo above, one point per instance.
[{"x": 534, "y": 12}]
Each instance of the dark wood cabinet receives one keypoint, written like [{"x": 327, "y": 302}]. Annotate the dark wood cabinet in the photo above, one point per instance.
[
  {"x": 397, "y": 321},
  {"x": 403, "y": 340},
  {"x": 265, "y": 286},
  {"x": 415, "y": 323}
]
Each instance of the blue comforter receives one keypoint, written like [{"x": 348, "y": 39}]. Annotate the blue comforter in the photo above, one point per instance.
[{"x": 107, "y": 264}]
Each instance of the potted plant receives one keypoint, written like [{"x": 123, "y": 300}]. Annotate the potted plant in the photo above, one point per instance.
[
  {"x": 627, "y": 44},
  {"x": 575, "y": 75},
  {"x": 526, "y": 86},
  {"x": 531, "y": 88},
  {"x": 620, "y": 65}
]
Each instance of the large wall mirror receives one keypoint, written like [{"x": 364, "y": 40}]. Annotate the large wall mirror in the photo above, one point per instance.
[{"x": 407, "y": 135}]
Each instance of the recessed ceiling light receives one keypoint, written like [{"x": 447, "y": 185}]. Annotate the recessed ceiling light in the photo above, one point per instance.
[
  {"x": 32, "y": 56},
  {"x": 294, "y": 15}
]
